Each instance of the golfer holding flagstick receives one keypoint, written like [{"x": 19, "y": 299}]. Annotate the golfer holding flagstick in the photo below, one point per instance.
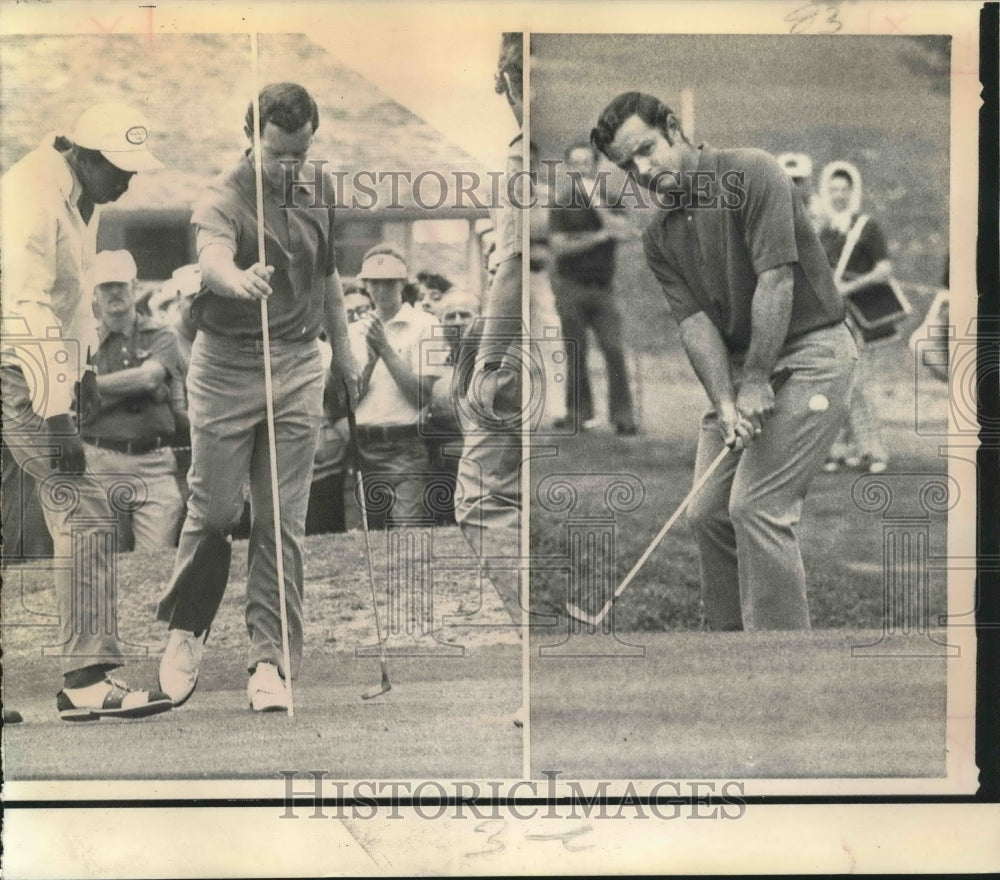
[{"x": 255, "y": 389}]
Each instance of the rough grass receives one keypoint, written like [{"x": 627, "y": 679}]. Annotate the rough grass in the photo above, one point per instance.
[{"x": 842, "y": 545}]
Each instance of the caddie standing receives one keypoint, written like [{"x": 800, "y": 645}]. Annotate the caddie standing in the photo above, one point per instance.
[{"x": 49, "y": 221}]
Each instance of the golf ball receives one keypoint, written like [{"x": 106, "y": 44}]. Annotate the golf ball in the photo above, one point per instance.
[{"x": 818, "y": 403}]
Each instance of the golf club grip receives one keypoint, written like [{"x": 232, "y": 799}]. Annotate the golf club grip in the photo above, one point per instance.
[{"x": 778, "y": 380}]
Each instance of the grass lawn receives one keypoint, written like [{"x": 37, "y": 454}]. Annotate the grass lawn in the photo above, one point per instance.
[
  {"x": 737, "y": 705},
  {"x": 675, "y": 701},
  {"x": 841, "y": 544}
]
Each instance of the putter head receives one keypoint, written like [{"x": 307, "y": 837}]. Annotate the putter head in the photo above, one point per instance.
[
  {"x": 581, "y": 615},
  {"x": 384, "y": 688}
]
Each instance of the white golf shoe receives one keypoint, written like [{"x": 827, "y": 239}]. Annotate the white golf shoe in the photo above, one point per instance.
[
  {"x": 266, "y": 690},
  {"x": 179, "y": 664}
]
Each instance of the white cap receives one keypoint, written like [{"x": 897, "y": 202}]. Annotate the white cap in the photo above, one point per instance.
[
  {"x": 383, "y": 266},
  {"x": 111, "y": 266},
  {"x": 120, "y": 133},
  {"x": 796, "y": 164}
]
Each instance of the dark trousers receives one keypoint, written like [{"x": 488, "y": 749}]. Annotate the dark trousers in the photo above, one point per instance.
[{"x": 593, "y": 305}]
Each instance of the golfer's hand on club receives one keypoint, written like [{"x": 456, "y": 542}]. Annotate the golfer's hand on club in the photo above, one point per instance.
[
  {"x": 252, "y": 283},
  {"x": 737, "y": 431},
  {"x": 755, "y": 403}
]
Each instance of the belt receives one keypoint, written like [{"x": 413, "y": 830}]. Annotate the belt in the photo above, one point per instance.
[
  {"x": 386, "y": 433},
  {"x": 129, "y": 447}
]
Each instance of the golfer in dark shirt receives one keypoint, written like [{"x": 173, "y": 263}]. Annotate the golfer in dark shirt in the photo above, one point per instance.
[{"x": 751, "y": 289}]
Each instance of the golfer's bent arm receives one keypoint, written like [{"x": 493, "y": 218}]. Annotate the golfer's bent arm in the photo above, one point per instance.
[
  {"x": 221, "y": 274},
  {"x": 770, "y": 312}
]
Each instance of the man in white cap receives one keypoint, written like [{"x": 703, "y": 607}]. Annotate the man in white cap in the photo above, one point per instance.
[
  {"x": 47, "y": 229},
  {"x": 140, "y": 377},
  {"x": 394, "y": 342}
]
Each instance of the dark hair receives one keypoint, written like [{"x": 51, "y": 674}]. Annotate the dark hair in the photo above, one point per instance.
[
  {"x": 581, "y": 145},
  {"x": 432, "y": 279},
  {"x": 650, "y": 110},
  {"x": 844, "y": 173},
  {"x": 410, "y": 293},
  {"x": 286, "y": 105},
  {"x": 511, "y": 62}
]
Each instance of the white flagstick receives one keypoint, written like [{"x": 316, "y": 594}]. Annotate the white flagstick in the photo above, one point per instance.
[{"x": 268, "y": 386}]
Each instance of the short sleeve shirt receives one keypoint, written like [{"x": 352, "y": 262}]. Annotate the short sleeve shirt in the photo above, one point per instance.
[
  {"x": 298, "y": 242},
  {"x": 869, "y": 250},
  {"x": 740, "y": 221},
  {"x": 137, "y": 417},
  {"x": 416, "y": 336},
  {"x": 507, "y": 217}
]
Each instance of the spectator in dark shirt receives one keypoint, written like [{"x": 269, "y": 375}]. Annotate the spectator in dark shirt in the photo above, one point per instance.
[
  {"x": 140, "y": 377},
  {"x": 583, "y": 240}
]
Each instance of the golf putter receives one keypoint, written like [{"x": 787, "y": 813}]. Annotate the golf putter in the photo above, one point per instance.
[
  {"x": 386, "y": 685},
  {"x": 574, "y": 611}
]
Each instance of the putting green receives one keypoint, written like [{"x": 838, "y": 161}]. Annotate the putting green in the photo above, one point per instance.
[{"x": 725, "y": 705}]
